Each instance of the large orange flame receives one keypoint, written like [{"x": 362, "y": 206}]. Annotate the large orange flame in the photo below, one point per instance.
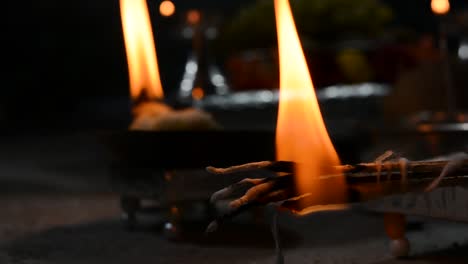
[
  {"x": 440, "y": 7},
  {"x": 301, "y": 135},
  {"x": 141, "y": 53}
]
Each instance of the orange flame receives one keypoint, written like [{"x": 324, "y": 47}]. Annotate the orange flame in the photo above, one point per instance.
[
  {"x": 141, "y": 53},
  {"x": 301, "y": 135},
  {"x": 440, "y": 7}
]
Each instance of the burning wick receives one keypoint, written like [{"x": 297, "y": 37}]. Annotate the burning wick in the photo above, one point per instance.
[{"x": 149, "y": 110}]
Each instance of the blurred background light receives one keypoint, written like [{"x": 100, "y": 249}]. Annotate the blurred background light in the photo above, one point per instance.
[
  {"x": 463, "y": 50},
  {"x": 167, "y": 8}
]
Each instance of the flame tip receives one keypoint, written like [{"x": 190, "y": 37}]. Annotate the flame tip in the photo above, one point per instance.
[
  {"x": 301, "y": 133},
  {"x": 140, "y": 49}
]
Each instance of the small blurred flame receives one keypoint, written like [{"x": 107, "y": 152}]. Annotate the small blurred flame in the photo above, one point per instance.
[
  {"x": 301, "y": 135},
  {"x": 141, "y": 53},
  {"x": 440, "y": 7}
]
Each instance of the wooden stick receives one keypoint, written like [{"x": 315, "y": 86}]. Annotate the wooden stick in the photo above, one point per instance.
[
  {"x": 365, "y": 181},
  {"x": 274, "y": 166},
  {"x": 362, "y": 172}
]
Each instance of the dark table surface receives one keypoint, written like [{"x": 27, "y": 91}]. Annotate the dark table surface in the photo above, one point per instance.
[{"x": 58, "y": 207}]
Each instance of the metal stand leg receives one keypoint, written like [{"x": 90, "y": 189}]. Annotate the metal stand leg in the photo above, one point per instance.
[
  {"x": 130, "y": 206},
  {"x": 395, "y": 227},
  {"x": 172, "y": 228}
]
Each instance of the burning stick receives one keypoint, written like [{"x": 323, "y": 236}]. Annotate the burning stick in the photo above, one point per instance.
[{"x": 363, "y": 183}]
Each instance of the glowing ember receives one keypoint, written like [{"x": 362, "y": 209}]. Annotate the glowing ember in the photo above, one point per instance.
[
  {"x": 440, "y": 7},
  {"x": 301, "y": 135},
  {"x": 141, "y": 53}
]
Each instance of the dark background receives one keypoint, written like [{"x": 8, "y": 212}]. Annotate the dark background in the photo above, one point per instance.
[{"x": 64, "y": 62}]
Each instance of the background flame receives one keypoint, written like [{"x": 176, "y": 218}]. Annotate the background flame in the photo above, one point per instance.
[
  {"x": 301, "y": 135},
  {"x": 141, "y": 53},
  {"x": 440, "y": 7}
]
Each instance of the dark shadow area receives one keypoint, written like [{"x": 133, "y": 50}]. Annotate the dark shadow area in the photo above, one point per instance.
[
  {"x": 334, "y": 228},
  {"x": 233, "y": 234},
  {"x": 107, "y": 241},
  {"x": 456, "y": 255},
  {"x": 60, "y": 229}
]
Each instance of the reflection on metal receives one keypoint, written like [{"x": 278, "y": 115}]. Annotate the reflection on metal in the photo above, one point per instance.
[
  {"x": 348, "y": 91},
  {"x": 463, "y": 50},
  {"x": 218, "y": 80},
  {"x": 188, "y": 79},
  {"x": 202, "y": 76},
  {"x": 448, "y": 127},
  {"x": 261, "y": 98},
  {"x": 211, "y": 33},
  {"x": 434, "y": 122},
  {"x": 187, "y": 33},
  {"x": 215, "y": 78}
]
